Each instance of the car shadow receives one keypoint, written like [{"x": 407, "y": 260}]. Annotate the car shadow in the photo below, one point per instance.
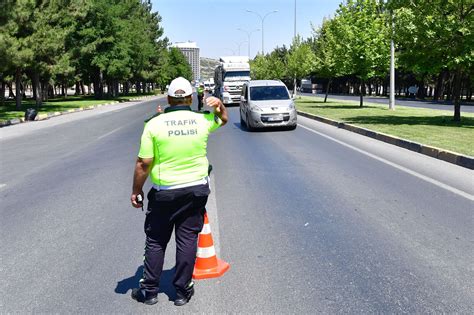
[
  {"x": 166, "y": 283},
  {"x": 259, "y": 130}
]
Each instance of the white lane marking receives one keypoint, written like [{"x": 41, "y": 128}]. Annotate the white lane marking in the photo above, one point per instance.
[
  {"x": 402, "y": 168},
  {"x": 115, "y": 130},
  {"x": 211, "y": 208},
  {"x": 110, "y": 132}
]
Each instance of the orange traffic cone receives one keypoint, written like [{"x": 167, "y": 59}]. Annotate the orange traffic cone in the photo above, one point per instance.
[{"x": 207, "y": 264}]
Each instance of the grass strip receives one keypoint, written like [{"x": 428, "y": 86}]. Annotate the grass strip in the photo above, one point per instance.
[
  {"x": 426, "y": 126},
  {"x": 8, "y": 110}
]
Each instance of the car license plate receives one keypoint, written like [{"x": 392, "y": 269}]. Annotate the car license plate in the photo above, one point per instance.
[{"x": 275, "y": 118}]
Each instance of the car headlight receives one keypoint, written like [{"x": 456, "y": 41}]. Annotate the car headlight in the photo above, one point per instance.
[
  {"x": 255, "y": 108},
  {"x": 291, "y": 106}
]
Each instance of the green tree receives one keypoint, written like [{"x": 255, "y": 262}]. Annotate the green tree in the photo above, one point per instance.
[
  {"x": 271, "y": 66},
  {"x": 435, "y": 36},
  {"x": 301, "y": 61},
  {"x": 326, "y": 45},
  {"x": 364, "y": 51},
  {"x": 179, "y": 66},
  {"x": 15, "y": 28}
]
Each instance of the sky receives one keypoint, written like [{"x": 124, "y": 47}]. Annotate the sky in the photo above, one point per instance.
[{"x": 213, "y": 24}]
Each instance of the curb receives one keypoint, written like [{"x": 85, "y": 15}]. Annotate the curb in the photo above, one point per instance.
[
  {"x": 441, "y": 154},
  {"x": 44, "y": 116}
]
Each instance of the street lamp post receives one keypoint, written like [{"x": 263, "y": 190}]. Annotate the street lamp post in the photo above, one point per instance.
[
  {"x": 391, "y": 103},
  {"x": 262, "y": 18},
  {"x": 239, "y": 45},
  {"x": 391, "y": 100},
  {"x": 294, "y": 38},
  {"x": 248, "y": 36},
  {"x": 232, "y": 50}
]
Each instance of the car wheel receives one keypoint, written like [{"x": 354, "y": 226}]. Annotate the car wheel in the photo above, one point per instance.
[
  {"x": 242, "y": 122},
  {"x": 292, "y": 127},
  {"x": 248, "y": 123}
]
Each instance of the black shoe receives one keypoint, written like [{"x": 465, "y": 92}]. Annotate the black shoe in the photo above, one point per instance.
[
  {"x": 144, "y": 297},
  {"x": 183, "y": 298}
]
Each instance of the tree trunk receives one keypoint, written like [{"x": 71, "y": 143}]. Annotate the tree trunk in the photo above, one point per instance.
[
  {"x": 116, "y": 89},
  {"x": 327, "y": 90},
  {"x": 421, "y": 90},
  {"x": 126, "y": 87},
  {"x": 2, "y": 92},
  {"x": 138, "y": 87},
  {"x": 23, "y": 90},
  {"x": 77, "y": 88},
  {"x": 448, "y": 88},
  {"x": 469, "y": 91},
  {"x": 457, "y": 94},
  {"x": 81, "y": 84},
  {"x": 64, "y": 89},
  {"x": 11, "y": 94},
  {"x": 33, "y": 85},
  {"x": 97, "y": 87},
  {"x": 18, "y": 88},
  {"x": 361, "y": 91},
  {"x": 37, "y": 89},
  {"x": 439, "y": 87}
]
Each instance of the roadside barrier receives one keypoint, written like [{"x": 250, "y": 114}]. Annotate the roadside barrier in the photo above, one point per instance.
[{"x": 207, "y": 264}]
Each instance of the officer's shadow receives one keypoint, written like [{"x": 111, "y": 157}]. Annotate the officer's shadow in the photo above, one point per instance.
[{"x": 166, "y": 283}]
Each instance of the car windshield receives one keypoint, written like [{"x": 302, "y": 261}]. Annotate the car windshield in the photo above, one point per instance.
[
  {"x": 265, "y": 93},
  {"x": 236, "y": 75}
]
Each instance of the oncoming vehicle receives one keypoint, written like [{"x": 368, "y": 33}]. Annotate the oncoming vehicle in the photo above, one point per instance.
[{"x": 266, "y": 103}]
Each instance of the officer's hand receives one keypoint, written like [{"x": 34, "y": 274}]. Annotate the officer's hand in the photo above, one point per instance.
[
  {"x": 214, "y": 102},
  {"x": 134, "y": 200}
]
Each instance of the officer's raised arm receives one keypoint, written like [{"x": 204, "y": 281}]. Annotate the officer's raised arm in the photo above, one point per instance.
[{"x": 219, "y": 108}]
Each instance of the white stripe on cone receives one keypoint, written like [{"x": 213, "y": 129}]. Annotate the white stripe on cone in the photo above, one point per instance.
[
  {"x": 206, "y": 229},
  {"x": 206, "y": 252}
]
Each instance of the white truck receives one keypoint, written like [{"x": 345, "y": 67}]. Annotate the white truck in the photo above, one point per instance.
[
  {"x": 209, "y": 85},
  {"x": 229, "y": 76}
]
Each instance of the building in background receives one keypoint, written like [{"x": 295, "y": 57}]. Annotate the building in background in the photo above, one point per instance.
[{"x": 191, "y": 51}]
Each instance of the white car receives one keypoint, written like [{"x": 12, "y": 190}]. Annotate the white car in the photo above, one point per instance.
[{"x": 266, "y": 103}]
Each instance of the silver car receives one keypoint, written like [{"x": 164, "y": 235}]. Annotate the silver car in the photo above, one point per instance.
[{"x": 266, "y": 103}]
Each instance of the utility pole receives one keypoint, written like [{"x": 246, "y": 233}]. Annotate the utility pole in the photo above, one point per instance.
[
  {"x": 391, "y": 103},
  {"x": 294, "y": 39},
  {"x": 262, "y": 18},
  {"x": 248, "y": 35}
]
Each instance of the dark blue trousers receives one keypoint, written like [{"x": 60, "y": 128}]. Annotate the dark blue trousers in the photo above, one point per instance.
[{"x": 179, "y": 209}]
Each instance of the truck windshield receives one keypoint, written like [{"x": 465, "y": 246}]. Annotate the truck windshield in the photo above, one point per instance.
[
  {"x": 265, "y": 93},
  {"x": 236, "y": 75}
]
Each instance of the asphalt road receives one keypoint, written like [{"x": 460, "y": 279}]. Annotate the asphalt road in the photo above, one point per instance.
[
  {"x": 467, "y": 108},
  {"x": 315, "y": 220}
]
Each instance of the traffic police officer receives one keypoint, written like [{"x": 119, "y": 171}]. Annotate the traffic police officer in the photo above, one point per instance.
[
  {"x": 200, "y": 93},
  {"x": 173, "y": 152}
]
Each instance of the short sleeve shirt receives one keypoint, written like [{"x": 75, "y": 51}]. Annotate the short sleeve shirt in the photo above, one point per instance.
[{"x": 177, "y": 142}]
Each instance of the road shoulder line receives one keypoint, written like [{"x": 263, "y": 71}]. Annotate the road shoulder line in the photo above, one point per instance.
[
  {"x": 402, "y": 168},
  {"x": 441, "y": 154}
]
